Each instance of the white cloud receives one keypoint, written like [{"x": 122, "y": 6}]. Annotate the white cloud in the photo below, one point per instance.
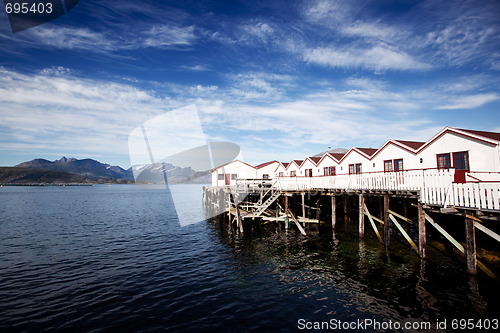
[
  {"x": 470, "y": 102},
  {"x": 156, "y": 36},
  {"x": 376, "y": 58},
  {"x": 68, "y": 114}
]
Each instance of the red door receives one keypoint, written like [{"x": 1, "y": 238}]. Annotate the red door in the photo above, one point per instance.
[
  {"x": 227, "y": 177},
  {"x": 461, "y": 164}
]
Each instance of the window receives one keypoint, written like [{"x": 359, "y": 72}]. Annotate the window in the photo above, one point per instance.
[
  {"x": 393, "y": 165},
  {"x": 221, "y": 176},
  {"x": 461, "y": 161},
  {"x": 293, "y": 173},
  {"x": 329, "y": 171},
  {"x": 358, "y": 168},
  {"x": 265, "y": 176},
  {"x": 280, "y": 174},
  {"x": 234, "y": 176},
  {"x": 398, "y": 165},
  {"x": 309, "y": 172},
  {"x": 354, "y": 168},
  {"x": 388, "y": 166},
  {"x": 443, "y": 161}
]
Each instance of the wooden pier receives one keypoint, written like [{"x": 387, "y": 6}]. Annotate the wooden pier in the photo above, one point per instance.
[{"x": 386, "y": 213}]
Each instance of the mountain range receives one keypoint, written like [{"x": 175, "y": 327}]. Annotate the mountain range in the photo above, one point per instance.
[{"x": 72, "y": 170}]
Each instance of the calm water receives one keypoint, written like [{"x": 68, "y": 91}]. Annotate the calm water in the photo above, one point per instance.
[{"x": 107, "y": 258}]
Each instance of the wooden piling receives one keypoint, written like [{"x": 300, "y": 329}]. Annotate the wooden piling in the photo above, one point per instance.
[
  {"x": 334, "y": 212},
  {"x": 470, "y": 246},
  {"x": 303, "y": 194},
  {"x": 386, "y": 220},
  {"x": 238, "y": 214},
  {"x": 345, "y": 206},
  {"x": 422, "y": 238},
  {"x": 286, "y": 212},
  {"x": 317, "y": 209},
  {"x": 361, "y": 216}
]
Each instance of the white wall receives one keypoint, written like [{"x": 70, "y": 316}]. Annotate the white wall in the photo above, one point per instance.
[
  {"x": 308, "y": 164},
  {"x": 294, "y": 167},
  {"x": 328, "y": 161},
  {"x": 483, "y": 157},
  {"x": 268, "y": 169},
  {"x": 242, "y": 170},
  {"x": 354, "y": 158},
  {"x": 394, "y": 152}
]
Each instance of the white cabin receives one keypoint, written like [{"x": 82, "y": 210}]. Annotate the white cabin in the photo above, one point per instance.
[
  {"x": 267, "y": 170},
  {"x": 455, "y": 167},
  {"x": 229, "y": 173}
]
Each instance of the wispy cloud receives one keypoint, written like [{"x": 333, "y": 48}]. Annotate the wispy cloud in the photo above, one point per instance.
[
  {"x": 470, "y": 102},
  {"x": 160, "y": 36},
  {"x": 61, "y": 112},
  {"x": 376, "y": 58}
]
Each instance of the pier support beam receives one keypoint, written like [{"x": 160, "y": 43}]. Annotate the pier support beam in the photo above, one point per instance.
[
  {"x": 334, "y": 212},
  {"x": 387, "y": 234},
  {"x": 303, "y": 194},
  {"x": 470, "y": 246},
  {"x": 361, "y": 216},
  {"x": 286, "y": 212},
  {"x": 422, "y": 238},
  {"x": 317, "y": 209},
  {"x": 345, "y": 206}
]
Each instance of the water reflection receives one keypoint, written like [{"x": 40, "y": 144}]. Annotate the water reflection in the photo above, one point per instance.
[{"x": 344, "y": 276}]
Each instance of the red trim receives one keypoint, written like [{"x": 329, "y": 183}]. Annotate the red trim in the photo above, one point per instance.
[
  {"x": 223, "y": 165},
  {"x": 260, "y": 166},
  {"x": 449, "y": 129}
]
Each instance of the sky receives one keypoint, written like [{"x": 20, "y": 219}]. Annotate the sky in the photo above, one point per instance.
[{"x": 282, "y": 79}]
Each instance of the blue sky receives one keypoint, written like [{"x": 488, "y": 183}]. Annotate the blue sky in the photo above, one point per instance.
[{"x": 282, "y": 79}]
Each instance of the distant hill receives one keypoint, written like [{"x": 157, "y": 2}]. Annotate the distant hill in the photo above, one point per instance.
[
  {"x": 87, "y": 168},
  {"x": 15, "y": 175},
  {"x": 72, "y": 170},
  {"x": 332, "y": 151}
]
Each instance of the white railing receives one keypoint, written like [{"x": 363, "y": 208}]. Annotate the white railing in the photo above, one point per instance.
[{"x": 435, "y": 186}]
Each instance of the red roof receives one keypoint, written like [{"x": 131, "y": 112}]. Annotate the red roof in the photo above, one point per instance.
[
  {"x": 299, "y": 162},
  {"x": 285, "y": 164},
  {"x": 412, "y": 144},
  {"x": 489, "y": 135},
  {"x": 265, "y": 164},
  {"x": 338, "y": 156},
  {"x": 315, "y": 159},
  {"x": 367, "y": 151}
]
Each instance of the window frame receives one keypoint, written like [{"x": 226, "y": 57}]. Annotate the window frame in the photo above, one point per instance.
[
  {"x": 388, "y": 163},
  {"x": 402, "y": 165},
  {"x": 358, "y": 168},
  {"x": 444, "y": 166}
]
